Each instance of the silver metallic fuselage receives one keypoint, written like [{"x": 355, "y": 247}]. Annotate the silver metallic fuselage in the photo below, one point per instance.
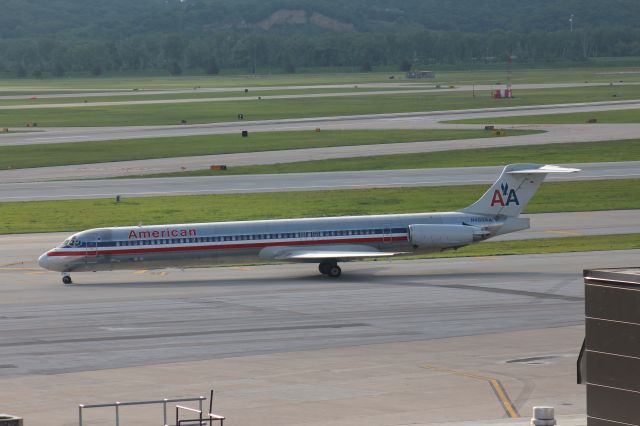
[{"x": 208, "y": 244}]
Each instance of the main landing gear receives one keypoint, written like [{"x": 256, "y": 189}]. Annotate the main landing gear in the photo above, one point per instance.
[
  {"x": 330, "y": 268},
  {"x": 66, "y": 278}
]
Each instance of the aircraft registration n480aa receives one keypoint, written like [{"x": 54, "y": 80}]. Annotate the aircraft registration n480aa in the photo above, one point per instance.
[{"x": 326, "y": 241}]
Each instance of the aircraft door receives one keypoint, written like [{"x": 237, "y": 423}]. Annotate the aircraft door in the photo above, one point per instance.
[
  {"x": 91, "y": 254},
  {"x": 386, "y": 234}
]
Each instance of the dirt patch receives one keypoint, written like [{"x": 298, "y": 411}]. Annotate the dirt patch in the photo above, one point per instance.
[{"x": 300, "y": 17}]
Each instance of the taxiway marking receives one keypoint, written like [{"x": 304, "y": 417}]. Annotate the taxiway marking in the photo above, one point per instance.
[
  {"x": 549, "y": 231},
  {"x": 495, "y": 384}
]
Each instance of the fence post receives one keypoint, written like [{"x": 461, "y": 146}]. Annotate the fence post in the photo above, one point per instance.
[
  {"x": 164, "y": 405},
  {"x": 117, "y": 413},
  {"x": 80, "y": 407}
]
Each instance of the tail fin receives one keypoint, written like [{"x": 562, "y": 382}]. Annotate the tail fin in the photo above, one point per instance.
[{"x": 514, "y": 188}]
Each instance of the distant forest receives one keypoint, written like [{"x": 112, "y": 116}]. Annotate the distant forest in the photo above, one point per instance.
[{"x": 57, "y": 37}]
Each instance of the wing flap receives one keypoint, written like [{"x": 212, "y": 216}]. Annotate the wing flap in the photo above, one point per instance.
[
  {"x": 327, "y": 254},
  {"x": 310, "y": 253}
]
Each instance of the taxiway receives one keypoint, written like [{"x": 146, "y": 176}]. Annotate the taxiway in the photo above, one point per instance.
[
  {"x": 391, "y": 342},
  {"x": 412, "y": 120},
  {"x": 109, "y": 188}
]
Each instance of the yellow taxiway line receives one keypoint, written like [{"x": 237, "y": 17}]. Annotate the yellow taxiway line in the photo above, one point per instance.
[{"x": 495, "y": 384}]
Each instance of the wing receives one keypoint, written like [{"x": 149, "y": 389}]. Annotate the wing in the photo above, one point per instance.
[
  {"x": 311, "y": 253},
  {"x": 328, "y": 254}
]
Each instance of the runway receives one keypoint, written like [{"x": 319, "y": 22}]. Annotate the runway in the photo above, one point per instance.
[
  {"x": 375, "y": 121},
  {"x": 150, "y": 318},
  {"x": 109, "y": 188},
  {"x": 85, "y": 93},
  {"x": 556, "y": 134},
  {"x": 282, "y": 345}
]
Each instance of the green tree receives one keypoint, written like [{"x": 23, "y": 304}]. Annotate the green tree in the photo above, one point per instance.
[
  {"x": 211, "y": 66},
  {"x": 174, "y": 68}
]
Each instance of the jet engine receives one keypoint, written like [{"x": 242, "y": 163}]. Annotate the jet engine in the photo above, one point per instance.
[{"x": 444, "y": 236}]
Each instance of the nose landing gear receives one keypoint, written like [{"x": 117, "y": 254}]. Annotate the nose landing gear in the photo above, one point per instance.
[
  {"x": 330, "y": 268},
  {"x": 66, "y": 279}
]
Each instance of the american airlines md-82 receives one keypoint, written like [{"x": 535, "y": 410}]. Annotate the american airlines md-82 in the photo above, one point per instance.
[{"x": 325, "y": 241}]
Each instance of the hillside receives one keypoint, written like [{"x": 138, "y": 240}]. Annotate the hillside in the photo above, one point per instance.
[
  {"x": 59, "y": 36},
  {"x": 99, "y": 18}
]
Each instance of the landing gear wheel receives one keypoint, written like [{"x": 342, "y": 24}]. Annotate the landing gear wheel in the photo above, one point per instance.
[
  {"x": 324, "y": 268},
  {"x": 335, "y": 271},
  {"x": 66, "y": 279}
]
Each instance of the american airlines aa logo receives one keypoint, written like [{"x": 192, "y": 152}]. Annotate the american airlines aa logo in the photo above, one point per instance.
[{"x": 507, "y": 194}]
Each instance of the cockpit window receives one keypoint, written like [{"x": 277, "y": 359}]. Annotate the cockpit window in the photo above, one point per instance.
[{"x": 71, "y": 242}]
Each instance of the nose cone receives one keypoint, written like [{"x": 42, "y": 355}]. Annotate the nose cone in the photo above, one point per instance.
[
  {"x": 52, "y": 261},
  {"x": 43, "y": 260}
]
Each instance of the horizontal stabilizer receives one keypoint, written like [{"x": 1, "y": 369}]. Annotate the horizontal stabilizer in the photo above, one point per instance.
[{"x": 544, "y": 169}]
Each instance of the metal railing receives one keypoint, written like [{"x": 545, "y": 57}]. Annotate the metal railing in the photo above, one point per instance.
[
  {"x": 193, "y": 410},
  {"x": 211, "y": 417},
  {"x": 117, "y": 406}
]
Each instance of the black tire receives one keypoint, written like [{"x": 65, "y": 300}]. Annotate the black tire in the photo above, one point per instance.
[
  {"x": 324, "y": 267},
  {"x": 335, "y": 271},
  {"x": 67, "y": 279}
]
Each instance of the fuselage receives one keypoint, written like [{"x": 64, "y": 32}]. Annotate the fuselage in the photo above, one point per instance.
[{"x": 206, "y": 244}]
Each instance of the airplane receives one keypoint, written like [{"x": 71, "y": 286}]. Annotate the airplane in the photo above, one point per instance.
[{"x": 326, "y": 241}]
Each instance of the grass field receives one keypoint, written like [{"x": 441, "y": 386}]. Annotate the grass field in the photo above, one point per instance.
[
  {"x": 542, "y": 246},
  {"x": 622, "y": 116},
  {"x": 191, "y": 81},
  {"x": 74, "y": 215},
  {"x": 582, "y": 152},
  {"x": 195, "y": 94},
  {"x": 24, "y": 156},
  {"x": 610, "y": 72},
  {"x": 209, "y": 112}
]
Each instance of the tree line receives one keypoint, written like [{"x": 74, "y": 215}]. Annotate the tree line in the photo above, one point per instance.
[{"x": 178, "y": 53}]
